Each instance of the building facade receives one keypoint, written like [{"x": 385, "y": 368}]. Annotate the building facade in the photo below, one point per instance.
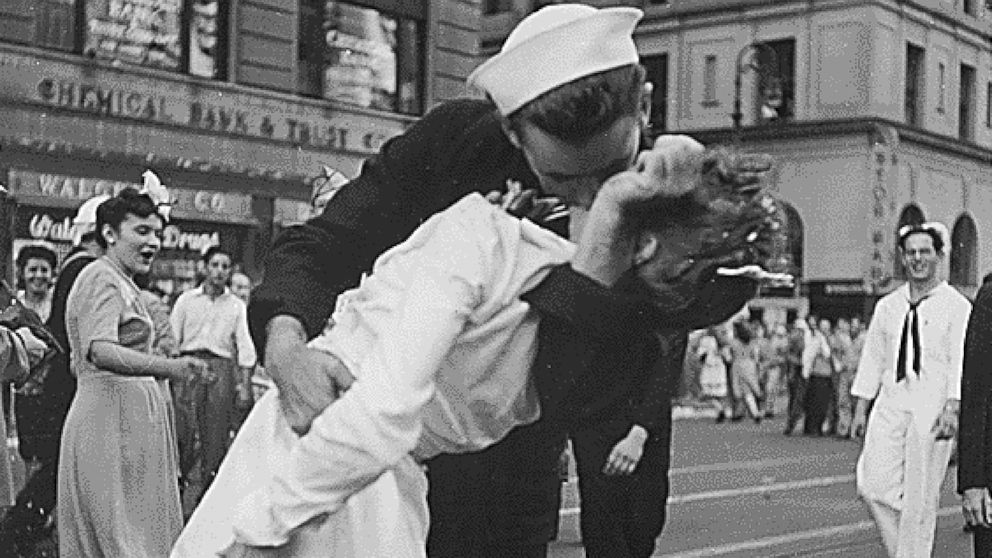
[
  {"x": 235, "y": 104},
  {"x": 878, "y": 113}
]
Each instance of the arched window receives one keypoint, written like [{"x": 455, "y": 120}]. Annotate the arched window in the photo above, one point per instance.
[
  {"x": 794, "y": 231},
  {"x": 911, "y": 215},
  {"x": 964, "y": 252}
]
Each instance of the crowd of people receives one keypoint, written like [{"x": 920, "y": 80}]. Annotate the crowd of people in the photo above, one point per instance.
[
  {"x": 162, "y": 388},
  {"x": 803, "y": 367},
  {"x": 434, "y": 341}
]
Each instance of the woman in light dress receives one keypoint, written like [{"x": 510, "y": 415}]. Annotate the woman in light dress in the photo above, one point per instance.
[
  {"x": 744, "y": 373},
  {"x": 118, "y": 494},
  {"x": 713, "y": 374}
]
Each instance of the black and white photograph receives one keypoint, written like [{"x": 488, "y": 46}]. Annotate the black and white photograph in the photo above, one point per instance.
[{"x": 495, "y": 279}]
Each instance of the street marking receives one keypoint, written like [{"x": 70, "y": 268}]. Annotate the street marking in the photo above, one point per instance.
[
  {"x": 751, "y": 464},
  {"x": 746, "y": 491},
  {"x": 776, "y": 540}
]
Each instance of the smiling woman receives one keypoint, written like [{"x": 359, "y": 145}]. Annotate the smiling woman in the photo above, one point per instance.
[{"x": 118, "y": 446}]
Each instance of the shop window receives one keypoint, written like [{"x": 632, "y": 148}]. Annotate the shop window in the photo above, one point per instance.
[
  {"x": 915, "y": 72},
  {"x": 911, "y": 215},
  {"x": 966, "y": 104},
  {"x": 964, "y": 252},
  {"x": 657, "y": 73},
  {"x": 368, "y": 55},
  {"x": 776, "y": 93}
]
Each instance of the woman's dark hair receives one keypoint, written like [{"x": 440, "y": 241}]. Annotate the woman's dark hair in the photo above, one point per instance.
[
  {"x": 114, "y": 211},
  {"x": 580, "y": 109},
  {"x": 657, "y": 214},
  {"x": 35, "y": 252}
]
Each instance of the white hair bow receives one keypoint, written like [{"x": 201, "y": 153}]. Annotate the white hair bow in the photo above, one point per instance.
[{"x": 159, "y": 194}]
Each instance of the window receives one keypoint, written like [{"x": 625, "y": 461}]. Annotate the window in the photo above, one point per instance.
[
  {"x": 966, "y": 104},
  {"x": 941, "y": 86},
  {"x": 915, "y": 73},
  {"x": 44, "y": 23},
  {"x": 988, "y": 105},
  {"x": 709, "y": 80},
  {"x": 657, "y": 70},
  {"x": 776, "y": 84},
  {"x": 207, "y": 38},
  {"x": 970, "y": 7},
  {"x": 364, "y": 56},
  {"x": 964, "y": 252},
  {"x": 177, "y": 35}
]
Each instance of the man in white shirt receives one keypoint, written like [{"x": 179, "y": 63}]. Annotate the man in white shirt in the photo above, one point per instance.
[
  {"x": 911, "y": 367},
  {"x": 211, "y": 323}
]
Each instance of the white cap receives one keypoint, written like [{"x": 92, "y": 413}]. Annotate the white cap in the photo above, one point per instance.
[
  {"x": 86, "y": 214},
  {"x": 936, "y": 227},
  {"x": 85, "y": 219},
  {"x": 556, "y": 45}
]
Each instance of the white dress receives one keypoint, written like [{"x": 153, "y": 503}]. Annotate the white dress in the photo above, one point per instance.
[{"x": 441, "y": 346}]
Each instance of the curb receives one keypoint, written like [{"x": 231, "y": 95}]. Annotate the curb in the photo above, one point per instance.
[{"x": 683, "y": 412}]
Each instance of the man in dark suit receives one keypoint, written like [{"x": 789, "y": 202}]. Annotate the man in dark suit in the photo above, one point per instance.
[{"x": 975, "y": 441}]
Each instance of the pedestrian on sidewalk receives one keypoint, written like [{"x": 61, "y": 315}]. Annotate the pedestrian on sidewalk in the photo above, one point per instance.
[
  {"x": 713, "y": 373},
  {"x": 774, "y": 367},
  {"x": 795, "y": 377},
  {"x": 819, "y": 370},
  {"x": 911, "y": 368},
  {"x": 746, "y": 385},
  {"x": 841, "y": 404},
  {"x": 211, "y": 324}
]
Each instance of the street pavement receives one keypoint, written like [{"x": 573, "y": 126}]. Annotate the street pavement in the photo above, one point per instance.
[{"x": 745, "y": 490}]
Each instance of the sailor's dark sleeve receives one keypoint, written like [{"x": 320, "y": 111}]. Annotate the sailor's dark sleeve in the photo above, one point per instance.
[
  {"x": 652, "y": 409},
  {"x": 309, "y": 265},
  {"x": 976, "y": 395}
]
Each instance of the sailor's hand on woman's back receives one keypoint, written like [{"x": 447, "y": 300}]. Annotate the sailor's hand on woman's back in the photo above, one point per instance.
[{"x": 308, "y": 380}]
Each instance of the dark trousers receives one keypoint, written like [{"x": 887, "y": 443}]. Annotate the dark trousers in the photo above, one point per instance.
[
  {"x": 819, "y": 392},
  {"x": 39, "y": 422},
  {"x": 983, "y": 542},
  {"x": 797, "y": 396},
  {"x": 500, "y": 502},
  {"x": 207, "y": 409},
  {"x": 621, "y": 516}
]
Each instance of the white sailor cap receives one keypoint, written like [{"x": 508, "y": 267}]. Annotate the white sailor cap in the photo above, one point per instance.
[
  {"x": 933, "y": 228},
  {"x": 553, "y": 46}
]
